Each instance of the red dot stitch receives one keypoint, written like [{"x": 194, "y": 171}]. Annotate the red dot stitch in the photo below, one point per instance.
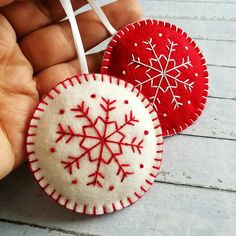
[
  {"x": 167, "y": 67},
  {"x": 62, "y": 111},
  {"x": 67, "y": 132},
  {"x": 74, "y": 181},
  {"x": 146, "y": 132},
  {"x": 52, "y": 150},
  {"x": 111, "y": 188}
]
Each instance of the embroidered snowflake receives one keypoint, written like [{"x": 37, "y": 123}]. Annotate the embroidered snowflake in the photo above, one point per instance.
[
  {"x": 102, "y": 141},
  {"x": 163, "y": 73}
]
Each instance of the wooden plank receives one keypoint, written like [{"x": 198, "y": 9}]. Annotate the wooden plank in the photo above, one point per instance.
[
  {"x": 190, "y": 10},
  {"x": 217, "y": 120},
  {"x": 198, "y": 161},
  {"x": 211, "y": 1},
  {"x": 222, "y": 82},
  {"x": 218, "y": 53},
  {"x": 10, "y": 229},
  {"x": 205, "y": 29},
  {"x": 165, "y": 210},
  {"x": 197, "y": 29}
]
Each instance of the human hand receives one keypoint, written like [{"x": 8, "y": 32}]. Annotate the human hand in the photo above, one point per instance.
[{"x": 37, "y": 52}]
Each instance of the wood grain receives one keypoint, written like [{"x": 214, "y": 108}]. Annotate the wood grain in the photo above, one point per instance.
[{"x": 165, "y": 210}]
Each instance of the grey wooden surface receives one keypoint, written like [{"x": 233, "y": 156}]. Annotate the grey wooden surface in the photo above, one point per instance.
[{"x": 195, "y": 193}]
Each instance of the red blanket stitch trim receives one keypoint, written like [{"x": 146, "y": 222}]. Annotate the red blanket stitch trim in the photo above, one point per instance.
[{"x": 57, "y": 196}]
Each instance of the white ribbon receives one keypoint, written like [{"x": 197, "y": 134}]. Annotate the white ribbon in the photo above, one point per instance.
[
  {"x": 102, "y": 17},
  {"x": 66, "y": 4}
]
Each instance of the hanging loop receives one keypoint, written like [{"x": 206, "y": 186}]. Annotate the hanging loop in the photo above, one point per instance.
[
  {"x": 66, "y": 4},
  {"x": 102, "y": 17}
]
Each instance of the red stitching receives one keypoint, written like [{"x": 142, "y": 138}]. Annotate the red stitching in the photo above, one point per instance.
[
  {"x": 62, "y": 111},
  {"x": 75, "y": 206},
  {"x": 43, "y": 102},
  {"x": 104, "y": 210},
  {"x": 30, "y": 143},
  {"x": 33, "y": 161},
  {"x": 40, "y": 178},
  {"x": 121, "y": 203},
  {"x": 85, "y": 77},
  {"x": 78, "y": 79},
  {"x": 53, "y": 150},
  {"x": 111, "y": 188},
  {"x": 159, "y": 151},
  {"x": 35, "y": 118},
  {"x": 53, "y": 193},
  {"x": 94, "y": 210},
  {"x": 44, "y": 188},
  {"x": 148, "y": 182},
  {"x": 114, "y": 207},
  {"x": 64, "y": 85},
  {"x": 132, "y": 26},
  {"x": 56, "y": 90},
  {"x": 39, "y": 109},
  {"x": 84, "y": 210},
  {"x": 129, "y": 200},
  {"x": 136, "y": 195},
  {"x": 66, "y": 202},
  {"x": 30, "y": 153},
  {"x": 50, "y": 96},
  {"x": 154, "y": 176},
  {"x": 37, "y": 170},
  {"x": 58, "y": 198},
  {"x": 71, "y": 82},
  {"x": 103, "y": 139},
  {"x": 143, "y": 189},
  {"x": 74, "y": 181}
]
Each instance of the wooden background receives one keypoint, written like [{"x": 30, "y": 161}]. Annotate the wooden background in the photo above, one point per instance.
[{"x": 195, "y": 193}]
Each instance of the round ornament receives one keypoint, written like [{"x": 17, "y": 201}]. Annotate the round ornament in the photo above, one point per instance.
[
  {"x": 94, "y": 144},
  {"x": 166, "y": 65}
]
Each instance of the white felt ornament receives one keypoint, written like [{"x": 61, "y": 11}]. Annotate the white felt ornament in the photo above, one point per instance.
[{"x": 94, "y": 141}]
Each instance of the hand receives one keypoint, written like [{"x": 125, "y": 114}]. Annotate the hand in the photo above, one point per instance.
[{"x": 37, "y": 52}]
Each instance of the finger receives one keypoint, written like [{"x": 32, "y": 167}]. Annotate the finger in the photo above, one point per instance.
[
  {"x": 28, "y": 16},
  {"x": 50, "y": 77},
  {"x": 5, "y": 2},
  {"x": 54, "y": 44},
  {"x": 7, "y": 156}
]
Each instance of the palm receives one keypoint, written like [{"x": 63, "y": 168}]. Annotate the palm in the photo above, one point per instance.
[
  {"x": 31, "y": 60},
  {"x": 18, "y": 96}
]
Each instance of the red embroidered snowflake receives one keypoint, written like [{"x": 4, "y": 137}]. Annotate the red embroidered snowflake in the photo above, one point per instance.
[{"x": 102, "y": 141}]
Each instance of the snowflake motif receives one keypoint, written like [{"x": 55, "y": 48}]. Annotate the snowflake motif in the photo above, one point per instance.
[
  {"x": 166, "y": 70},
  {"x": 102, "y": 141}
]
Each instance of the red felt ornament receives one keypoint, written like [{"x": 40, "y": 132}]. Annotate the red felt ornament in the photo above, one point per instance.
[{"x": 165, "y": 64}]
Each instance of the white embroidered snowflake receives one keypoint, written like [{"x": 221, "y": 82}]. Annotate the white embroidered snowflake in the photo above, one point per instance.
[
  {"x": 102, "y": 141},
  {"x": 165, "y": 73}
]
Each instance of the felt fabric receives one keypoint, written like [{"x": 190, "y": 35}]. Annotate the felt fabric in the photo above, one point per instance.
[
  {"x": 94, "y": 144},
  {"x": 165, "y": 64}
]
